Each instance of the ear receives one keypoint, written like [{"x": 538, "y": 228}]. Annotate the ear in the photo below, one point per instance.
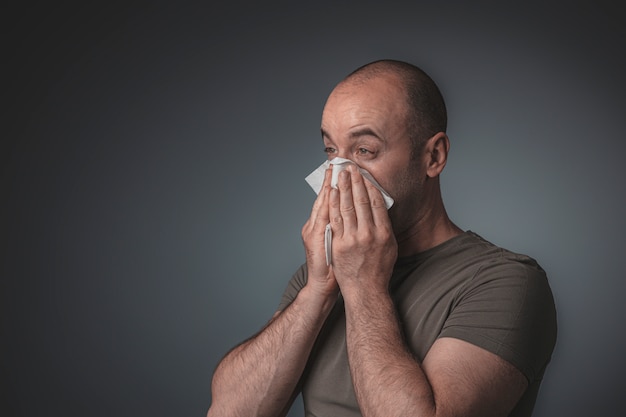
[{"x": 436, "y": 151}]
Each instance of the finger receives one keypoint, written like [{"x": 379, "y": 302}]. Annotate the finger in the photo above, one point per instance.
[
  {"x": 319, "y": 212},
  {"x": 334, "y": 212},
  {"x": 378, "y": 208},
  {"x": 361, "y": 199},
  {"x": 346, "y": 202}
]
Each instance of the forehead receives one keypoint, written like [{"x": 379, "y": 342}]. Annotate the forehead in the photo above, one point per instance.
[{"x": 379, "y": 101}]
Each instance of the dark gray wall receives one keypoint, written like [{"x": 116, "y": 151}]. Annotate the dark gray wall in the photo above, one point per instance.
[{"x": 152, "y": 181}]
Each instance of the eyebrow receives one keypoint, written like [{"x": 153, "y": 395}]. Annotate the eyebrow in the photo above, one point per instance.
[{"x": 365, "y": 131}]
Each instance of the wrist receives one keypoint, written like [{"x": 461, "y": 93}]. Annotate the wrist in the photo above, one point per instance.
[
  {"x": 366, "y": 295},
  {"x": 319, "y": 297}
]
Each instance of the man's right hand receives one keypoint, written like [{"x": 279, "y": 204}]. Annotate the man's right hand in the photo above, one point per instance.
[{"x": 320, "y": 277}]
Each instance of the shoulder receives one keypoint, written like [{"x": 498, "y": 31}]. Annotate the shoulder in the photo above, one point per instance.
[
  {"x": 483, "y": 261},
  {"x": 500, "y": 268}
]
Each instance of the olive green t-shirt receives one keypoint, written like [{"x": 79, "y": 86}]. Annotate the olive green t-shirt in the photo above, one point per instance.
[{"x": 466, "y": 288}]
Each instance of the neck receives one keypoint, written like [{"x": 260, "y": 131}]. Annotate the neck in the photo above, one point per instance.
[{"x": 431, "y": 227}]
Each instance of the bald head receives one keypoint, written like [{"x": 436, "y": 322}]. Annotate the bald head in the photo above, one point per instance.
[{"x": 426, "y": 109}]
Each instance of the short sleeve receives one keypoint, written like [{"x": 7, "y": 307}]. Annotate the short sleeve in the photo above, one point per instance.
[
  {"x": 295, "y": 284},
  {"x": 508, "y": 309}
]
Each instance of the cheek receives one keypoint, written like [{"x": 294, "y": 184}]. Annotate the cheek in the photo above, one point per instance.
[
  {"x": 405, "y": 186},
  {"x": 398, "y": 176}
]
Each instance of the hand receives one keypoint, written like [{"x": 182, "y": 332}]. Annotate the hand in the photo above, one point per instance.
[
  {"x": 320, "y": 276},
  {"x": 364, "y": 248}
]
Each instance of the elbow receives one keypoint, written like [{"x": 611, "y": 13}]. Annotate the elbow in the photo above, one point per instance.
[{"x": 213, "y": 412}]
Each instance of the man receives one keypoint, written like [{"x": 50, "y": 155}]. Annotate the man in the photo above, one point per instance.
[{"x": 414, "y": 316}]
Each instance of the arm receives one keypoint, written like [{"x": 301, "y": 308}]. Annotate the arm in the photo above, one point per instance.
[
  {"x": 260, "y": 376},
  {"x": 455, "y": 378}
]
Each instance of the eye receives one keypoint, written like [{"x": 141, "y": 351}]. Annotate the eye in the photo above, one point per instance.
[
  {"x": 329, "y": 150},
  {"x": 364, "y": 151}
]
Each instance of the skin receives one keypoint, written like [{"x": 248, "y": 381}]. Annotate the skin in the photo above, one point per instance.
[{"x": 365, "y": 121}]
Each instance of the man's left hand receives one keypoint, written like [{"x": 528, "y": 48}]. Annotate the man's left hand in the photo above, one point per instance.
[{"x": 364, "y": 248}]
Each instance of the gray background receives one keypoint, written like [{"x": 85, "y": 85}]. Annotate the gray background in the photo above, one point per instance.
[{"x": 152, "y": 181}]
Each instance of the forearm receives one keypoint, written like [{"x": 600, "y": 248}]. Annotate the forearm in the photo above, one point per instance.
[
  {"x": 388, "y": 381},
  {"x": 258, "y": 378}
]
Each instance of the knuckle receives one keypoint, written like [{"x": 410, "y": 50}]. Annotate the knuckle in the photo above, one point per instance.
[
  {"x": 347, "y": 209},
  {"x": 362, "y": 200},
  {"x": 385, "y": 234},
  {"x": 377, "y": 201},
  {"x": 367, "y": 237},
  {"x": 348, "y": 242}
]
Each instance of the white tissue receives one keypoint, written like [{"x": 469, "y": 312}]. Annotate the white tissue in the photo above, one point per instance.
[{"x": 316, "y": 178}]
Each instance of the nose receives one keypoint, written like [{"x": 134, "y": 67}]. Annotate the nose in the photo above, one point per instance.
[{"x": 343, "y": 154}]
